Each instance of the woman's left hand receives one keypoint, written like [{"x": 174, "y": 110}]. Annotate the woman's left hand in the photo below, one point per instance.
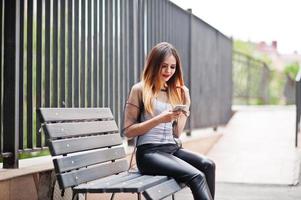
[{"x": 177, "y": 114}]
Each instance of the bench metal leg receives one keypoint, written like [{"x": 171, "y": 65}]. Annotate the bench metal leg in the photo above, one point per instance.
[
  {"x": 75, "y": 196},
  {"x": 139, "y": 195},
  {"x": 112, "y": 196},
  {"x": 173, "y": 197}
]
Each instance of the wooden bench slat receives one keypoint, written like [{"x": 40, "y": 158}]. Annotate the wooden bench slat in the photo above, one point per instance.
[
  {"x": 162, "y": 190},
  {"x": 83, "y": 175},
  {"x": 65, "y": 146},
  {"x": 136, "y": 185},
  {"x": 144, "y": 184},
  {"x": 68, "y": 163},
  {"x": 70, "y": 114},
  {"x": 63, "y": 130},
  {"x": 101, "y": 184}
]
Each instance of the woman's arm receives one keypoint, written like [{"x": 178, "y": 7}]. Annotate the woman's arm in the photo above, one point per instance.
[
  {"x": 143, "y": 127},
  {"x": 180, "y": 125}
]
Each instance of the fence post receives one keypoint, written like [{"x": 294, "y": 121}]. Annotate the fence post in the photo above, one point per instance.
[
  {"x": 133, "y": 36},
  {"x": 248, "y": 81},
  {"x": 188, "y": 126},
  {"x": 11, "y": 84},
  {"x": 298, "y": 99}
]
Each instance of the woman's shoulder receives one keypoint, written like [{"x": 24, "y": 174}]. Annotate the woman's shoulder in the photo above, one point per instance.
[
  {"x": 183, "y": 88},
  {"x": 137, "y": 87},
  {"x": 135, "y": 93}
]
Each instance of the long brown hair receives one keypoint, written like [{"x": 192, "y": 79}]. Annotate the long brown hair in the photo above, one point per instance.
[{"x": 151, "y": 76}]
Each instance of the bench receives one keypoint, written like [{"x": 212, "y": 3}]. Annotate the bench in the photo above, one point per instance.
[{"x": 89, "y": 157}]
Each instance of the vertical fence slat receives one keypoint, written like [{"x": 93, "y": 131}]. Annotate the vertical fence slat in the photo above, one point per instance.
[
  {"x": 140, "y": 36},
  {"x": 62, "y": 51},
  {"x": 157, "y": 22},
  {"x": 161, "y": 20},
  {"x": 132, "y": 45},
  {"x": 149, "y": 19},
  {"x": 170, "y": 22},
  {"x": 47, "y": 54},
  {"x": 164, "y": 17},
  {"x": 10, "y": 83},
  {"x": 109, "y": 83},
  {"x": 1, "y": 77},
  {"x": 46, "y": 73},
  {"x": 76, "y": 53},
  {"x": 149, "y": 25},
  {"x": 29, "y": 72},
  {"x": 121, "y": 56},
  {"x": 55, "y": 50},
  {"x": 106, "y": 55},
  {"x": 38, "y": 69},
  {"x": 1, "y": 73},
  {"x": 70, "y": 53},
  {"x": 112, "y": 59},
  {"x": 126, "y": 48},
  {"x": 82, "y": 56},
  {"x": 95, "y": 59},
  {"x": 117, "y": 63},
  {"x": 298, "y": 106},
  {"x": 89, "y": 55},
  {"x": 142, "y": 39},
  {"x": 21, "y": 70},
  {"x": 188, "y": 123},
  {"x": 101, "y": 53},
  {"x": 145, "y": 34},
  {"x": 153, "y": 21},
  {"x": 115, "y": 60}
]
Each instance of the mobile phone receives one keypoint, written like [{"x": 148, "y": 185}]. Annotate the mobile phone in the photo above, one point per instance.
[{"x": 179, "y": 108}]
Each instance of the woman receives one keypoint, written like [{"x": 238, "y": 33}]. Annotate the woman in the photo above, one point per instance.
[{"x": 149, "y": 115}]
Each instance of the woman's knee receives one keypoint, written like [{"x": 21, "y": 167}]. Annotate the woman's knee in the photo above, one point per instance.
[
  {"x": 210, "y": 165},
  {"x": 197, "y": 178},
  {"x": 200, "y": 176}
]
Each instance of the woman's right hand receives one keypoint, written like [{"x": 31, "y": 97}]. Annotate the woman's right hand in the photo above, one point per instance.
[{"x": 169, "y": 116}]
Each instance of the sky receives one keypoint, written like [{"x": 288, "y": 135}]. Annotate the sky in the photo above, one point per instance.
[{"x": 253, "y": 20}]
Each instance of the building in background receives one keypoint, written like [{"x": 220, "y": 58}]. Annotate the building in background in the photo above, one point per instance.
[{"x": 279, "y": 61}]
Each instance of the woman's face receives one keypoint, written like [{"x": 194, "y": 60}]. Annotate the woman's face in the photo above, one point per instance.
[{"x": 168, "y": 68}]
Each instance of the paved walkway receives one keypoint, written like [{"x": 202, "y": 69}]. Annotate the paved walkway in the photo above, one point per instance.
[
  {"x": 256, "y": 158},
  {"x": 236, "y": 191},
  {"x": 257, "y": 147}
]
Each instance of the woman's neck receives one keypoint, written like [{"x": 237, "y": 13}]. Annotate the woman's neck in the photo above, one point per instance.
[{"x": 164, "y": 87}]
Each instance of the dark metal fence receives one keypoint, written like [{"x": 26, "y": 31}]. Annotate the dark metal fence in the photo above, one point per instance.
[
  {"x": 88, "y": 53},
  {"x": 251, "y": 78},
  {"x": 210, "y": 75}
]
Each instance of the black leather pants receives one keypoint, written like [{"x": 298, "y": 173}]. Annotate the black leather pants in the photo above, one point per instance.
[{"x": 197, "y": 171}]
